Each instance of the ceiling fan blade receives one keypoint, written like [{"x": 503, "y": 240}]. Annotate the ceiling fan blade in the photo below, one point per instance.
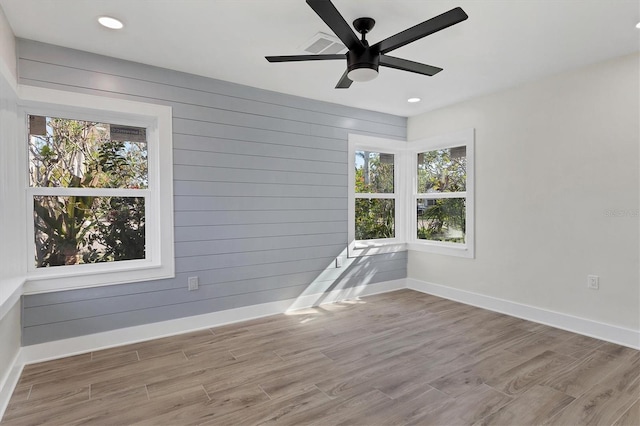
[
  {"x": 344, "y": 82},
  {"x": 414, "y": 33},
  {"x": 295, "y": 58},
  {"x": 405, "y": 65},
  {"x": 330, "y": 15}
]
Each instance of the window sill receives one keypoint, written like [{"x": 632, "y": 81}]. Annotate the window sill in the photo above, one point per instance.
[
  {"x": 10, "y": 292},
  {"x": 359, "y": 249},
  {"x": 43, "y": 281}
]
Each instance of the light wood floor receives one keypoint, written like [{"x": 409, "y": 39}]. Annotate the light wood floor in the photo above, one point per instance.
[{"x": 392, "y": 359}]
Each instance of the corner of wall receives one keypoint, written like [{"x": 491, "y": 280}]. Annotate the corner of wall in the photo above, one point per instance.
[
  {"x": 10, "y": 367},
  {"x": 10, "y": 281},
  {"x": 8, "y": 58}
]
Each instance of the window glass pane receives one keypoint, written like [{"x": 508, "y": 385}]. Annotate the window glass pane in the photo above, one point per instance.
[
  {"x": 75, "y": 230},
  {"x": 443, "y": 170},
  {"x": 375, "y": 218},
  {"x": 374, "y": 172},
  {"x": 86, "y": 154},
  {"x": 441, "y": 219}
]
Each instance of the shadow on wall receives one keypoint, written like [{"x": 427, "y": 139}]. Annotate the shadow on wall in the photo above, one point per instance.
[{"x": 352, "y": 279}]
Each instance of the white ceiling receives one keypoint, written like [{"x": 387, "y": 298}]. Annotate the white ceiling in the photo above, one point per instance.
[{"x": 502, "y": 44}]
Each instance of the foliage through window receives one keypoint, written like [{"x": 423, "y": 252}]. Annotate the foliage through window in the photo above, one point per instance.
[
  {"x": 89, "y": 186},
  {"x": 441, "y": 196},
  {"x": 375, "y": 195}
]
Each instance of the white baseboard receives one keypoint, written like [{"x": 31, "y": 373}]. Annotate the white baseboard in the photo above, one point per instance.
[
  {"x": 9, "y": 382},
  {"x": 305, "y": 301},
  {"x": 108, "y": 339},
  {"x": 610, "y": 333}
]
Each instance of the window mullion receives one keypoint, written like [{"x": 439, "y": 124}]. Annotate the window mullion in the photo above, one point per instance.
[
  {"x": 369, "y": 195},
  {"x": 102, "y": 192},
  {"x": 437, "y": 195}
]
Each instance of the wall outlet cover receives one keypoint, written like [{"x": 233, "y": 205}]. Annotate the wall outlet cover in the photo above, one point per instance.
[{"x": 193, "y": 283}]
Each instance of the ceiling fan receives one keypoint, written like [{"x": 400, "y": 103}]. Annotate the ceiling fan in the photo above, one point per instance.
[{"x": 363, "y": 60}]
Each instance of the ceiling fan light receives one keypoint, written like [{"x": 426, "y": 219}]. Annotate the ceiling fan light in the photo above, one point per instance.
[{"x": 362, "y": 74}]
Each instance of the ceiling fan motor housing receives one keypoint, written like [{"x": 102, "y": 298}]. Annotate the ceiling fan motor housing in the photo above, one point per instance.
[{"x": 366, "y": 58}]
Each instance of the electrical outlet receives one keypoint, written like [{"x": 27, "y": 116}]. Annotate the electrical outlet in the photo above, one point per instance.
[
  {"x": 593, "y": 282},
  {"x": 193, "y": 283}
]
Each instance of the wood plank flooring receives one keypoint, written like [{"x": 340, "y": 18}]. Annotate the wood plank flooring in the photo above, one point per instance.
[{"x": 398, "y": 358}]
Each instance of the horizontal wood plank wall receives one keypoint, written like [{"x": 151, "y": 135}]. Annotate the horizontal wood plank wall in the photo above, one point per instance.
[{"x": 260, "y": 195}]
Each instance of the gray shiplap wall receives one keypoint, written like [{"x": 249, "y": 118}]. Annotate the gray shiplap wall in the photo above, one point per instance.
[{"x": 260, "y": 187}]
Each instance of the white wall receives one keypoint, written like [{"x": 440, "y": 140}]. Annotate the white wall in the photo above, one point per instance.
[
  {"x": 9, "y": 336},
  {"x": 11, "y": 194},
  {"x": 553, "y": 159},
  {"x": 7, "y": 49},
  {"x": 12, "y": 224},
  {"x": 9, "y": 348}
]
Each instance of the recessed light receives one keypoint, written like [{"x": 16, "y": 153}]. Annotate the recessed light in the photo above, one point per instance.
[
  {"x": 109, "y": 22},
  {"x": 638, "y": 25},
  {"x": 413, "y": 100}
]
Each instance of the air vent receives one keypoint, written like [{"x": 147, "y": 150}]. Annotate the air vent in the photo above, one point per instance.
[{"x": 322, "y": 43}]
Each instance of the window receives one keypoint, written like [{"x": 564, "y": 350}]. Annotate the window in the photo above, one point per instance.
[
  {"x": 375, "y": 198},
  {"x": 89, "y": 186},
  {"x": 375, "y": 185},
  {"x": 443, "y": 194},
  {"x": 95, "y": 210},
  {"x": 436, "y": 215}
]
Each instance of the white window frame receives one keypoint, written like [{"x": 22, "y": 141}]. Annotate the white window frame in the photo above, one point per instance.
[
  {"x": 159, "y": 250},
  {"x": 463, "y": 138},
  {"x": 383, "y": 245}
]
